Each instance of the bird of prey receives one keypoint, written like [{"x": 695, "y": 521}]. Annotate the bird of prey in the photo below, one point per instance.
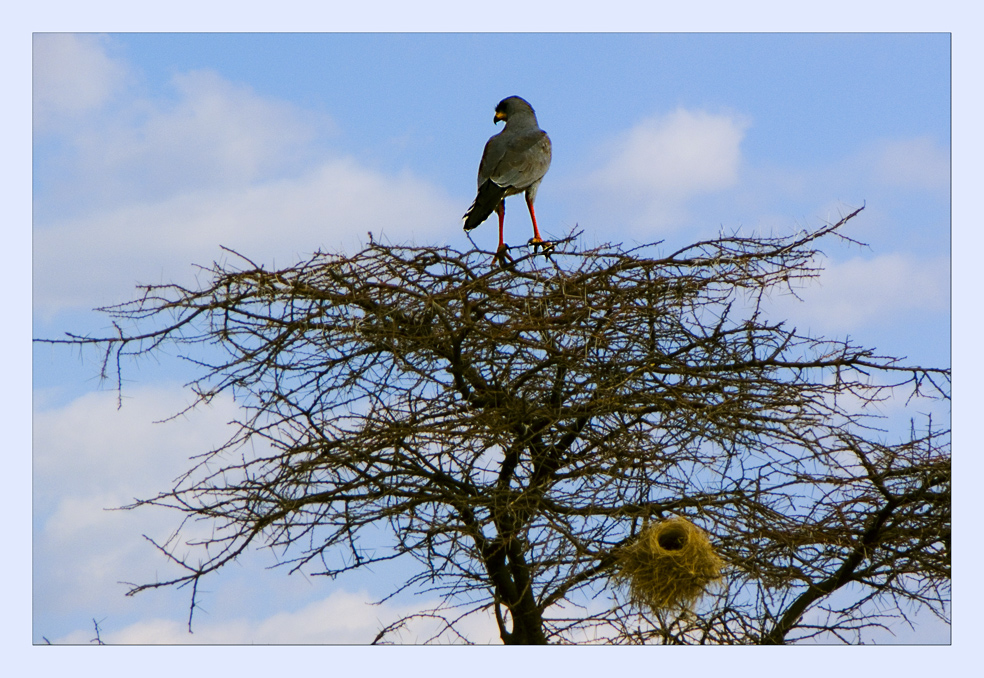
[{"x": 514, "y": 161}]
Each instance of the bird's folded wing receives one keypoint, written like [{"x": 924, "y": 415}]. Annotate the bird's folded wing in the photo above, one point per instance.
[{"x": 519, "y": 161}]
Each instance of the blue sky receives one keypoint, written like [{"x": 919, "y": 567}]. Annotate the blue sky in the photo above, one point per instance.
[{"x": 151, "y": 150}]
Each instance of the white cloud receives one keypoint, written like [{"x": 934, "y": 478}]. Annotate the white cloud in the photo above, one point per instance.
[
  {"x": 97, "y": 259},
  {"x": 649, "y": 173},
  {"x": 864, "y": 292},
  {"x": 159, "y": 186},
  {"x": 213, "y": 134},
  {"x": 678, "y": 155},
  {"x": 90, "y": 456},
  {"x": 73, "y": 75},
  {"x": 890, "y": 175},
  {"x": 90, "y": 446},
  {"x": 342, "y": 618},
  {"x": 916, "y": 163}
]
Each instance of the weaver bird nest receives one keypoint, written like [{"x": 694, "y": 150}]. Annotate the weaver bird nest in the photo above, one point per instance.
[{"x": 669, "y": 565}]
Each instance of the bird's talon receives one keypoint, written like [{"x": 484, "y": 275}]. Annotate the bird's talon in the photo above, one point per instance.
[
  {"x": 538, "y": 244},
  {"x": 502, "y": 255}
]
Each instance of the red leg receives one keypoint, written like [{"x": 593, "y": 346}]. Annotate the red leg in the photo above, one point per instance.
[
  {"x": 536, "y": 240},
  {"x": 502, "y": 254},
  {"x": 536, "y": 231},
  {"x": 501, "y": 211}
]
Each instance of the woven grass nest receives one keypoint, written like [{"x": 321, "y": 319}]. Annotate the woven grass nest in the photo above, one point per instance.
[{"x": 669, "y": 566}]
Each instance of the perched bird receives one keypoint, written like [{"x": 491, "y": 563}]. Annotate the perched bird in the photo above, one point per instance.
[{"x": 514, "y": 161}]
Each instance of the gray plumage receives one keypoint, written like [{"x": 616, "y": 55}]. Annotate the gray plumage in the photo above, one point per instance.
[{"x": 514, "y": 161}]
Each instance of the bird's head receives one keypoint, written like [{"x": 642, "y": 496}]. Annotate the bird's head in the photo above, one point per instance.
[{"x": 512, "y": 106}]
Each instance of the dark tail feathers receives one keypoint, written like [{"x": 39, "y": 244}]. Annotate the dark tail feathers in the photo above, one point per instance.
[{"x": 489, "y": 196}]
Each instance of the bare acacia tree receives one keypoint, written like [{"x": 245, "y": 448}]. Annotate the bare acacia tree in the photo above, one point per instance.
[{"x": 512, "y": 428}]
